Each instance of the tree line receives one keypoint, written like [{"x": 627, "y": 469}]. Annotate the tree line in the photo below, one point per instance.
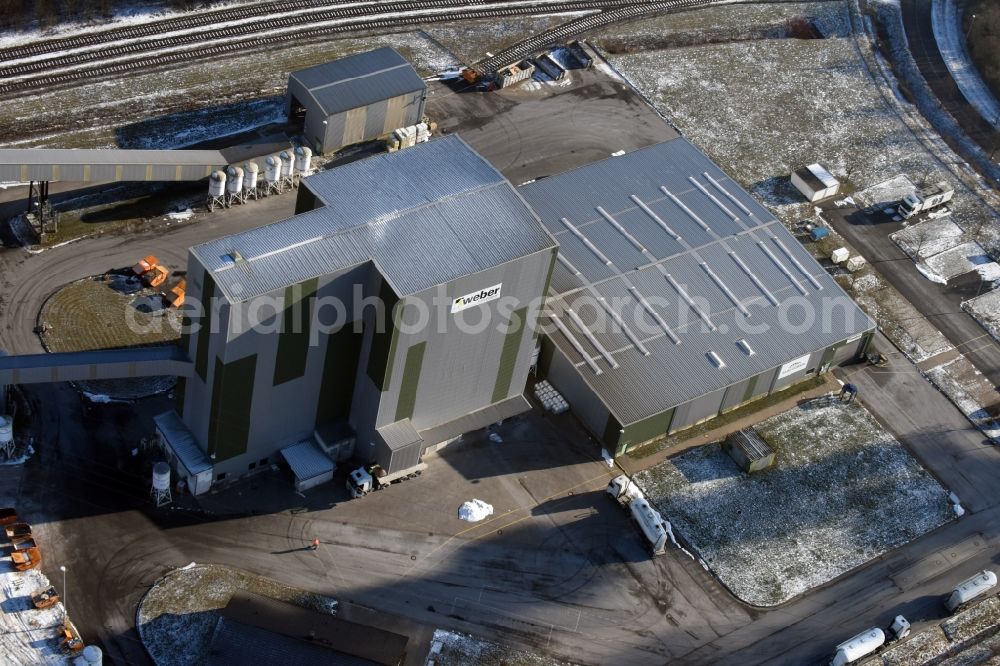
[{"x": 26, "y": 14}]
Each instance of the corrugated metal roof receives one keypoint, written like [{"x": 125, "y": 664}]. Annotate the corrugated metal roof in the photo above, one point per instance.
[
  {"x": 691, "y": 264},
  {"x": 399, "y": 435},
  {"x": 182, "y": 442},
  {"x": 359, "y": 80},
  {"x": 307, "y": 460},
  {"x": 25, "y": 164},
  {"x": 424, "y": 216}
]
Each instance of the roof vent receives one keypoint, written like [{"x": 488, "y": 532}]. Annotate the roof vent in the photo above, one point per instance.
[
  {"x": 745, "y": 346},
  {"x": 236, "y": 256},
  {"x": 716, "y": 360}
]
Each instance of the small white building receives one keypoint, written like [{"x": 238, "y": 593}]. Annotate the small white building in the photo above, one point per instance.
[{"x": 815, "y": 182}]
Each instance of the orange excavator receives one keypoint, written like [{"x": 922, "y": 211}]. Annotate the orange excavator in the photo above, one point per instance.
[
  {"x": 153, "y": 274},
  {"x": 175, "y": 295}
]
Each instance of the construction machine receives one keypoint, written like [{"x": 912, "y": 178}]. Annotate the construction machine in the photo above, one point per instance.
[
  {"x": 45, "y": 597},
  {"x": 17, "y": 530},
  {"x": 26, "y": 559},
  {"x": 152, "y": 273},
  {"x": 145, "y": 265},
  {"x": 175, "y": 295}
]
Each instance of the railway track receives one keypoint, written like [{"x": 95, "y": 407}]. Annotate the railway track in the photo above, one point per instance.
[
  {"x": 518, "y": 52},
  {"x": 123, "y": 58},
  {"x": 95, "y": 64},
  {"x": 158, "y": 27}
]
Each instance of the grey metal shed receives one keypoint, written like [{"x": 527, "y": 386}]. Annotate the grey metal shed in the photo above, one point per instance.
[{"x": 355, "y": 99}]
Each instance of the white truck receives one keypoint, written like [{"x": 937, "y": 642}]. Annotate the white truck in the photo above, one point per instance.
[
  {"x": 924, "y": 199},
  {"x": 656, "y": 530},
  {"x": 869, "y": 641},
  {"x": 363, "y": 480},
  {"x": 971, "y": 588}
]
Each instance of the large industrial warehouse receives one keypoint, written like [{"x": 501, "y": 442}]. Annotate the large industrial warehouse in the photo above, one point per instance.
[
  {"x": 355, "y": 99},
  {"x": 433, "y": 228},
  {"x": 677, "y": 296}
]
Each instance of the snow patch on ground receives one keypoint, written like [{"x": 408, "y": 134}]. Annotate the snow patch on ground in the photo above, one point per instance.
[
  {"x": 28, "y": 636},
  {"x": 962, "y": 383},
  {"x": 986, "y": 310},
  {"x": 137, "y": 15},
  {"x": 928, "y": 238},
  {"x": 963, "y": 259},
  {"x": 886, "y": 193},
  {"x": 475, "y": 510},
  {"x": 185, "y": 214},
  {"x": 842, "y": 492},
  {"x": 178, "y": 615},
  {"x": 452, "y": 648}
]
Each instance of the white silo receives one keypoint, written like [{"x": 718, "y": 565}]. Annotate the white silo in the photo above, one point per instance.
[
  {"x": 250, "y": 172},
  {"x": 303, "y": 160},
  {"x": 287, "y": 168},
  {"x": 91, "y": 656},
  {"x": 216, "y": 190},
  {"x": 272, "y": 174},
  {"x": 234, "y": 185},
  {"x": 160, "y": 492}
]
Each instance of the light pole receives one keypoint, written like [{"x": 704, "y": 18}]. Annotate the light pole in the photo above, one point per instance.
[
  {"x": 65, "y": 607},
  {"x": 969, "y": 29}
]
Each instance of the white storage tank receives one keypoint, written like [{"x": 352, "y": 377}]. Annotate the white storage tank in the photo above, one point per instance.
[
  {"x": 6, "y": 430},
  {"x": 272, "y": 169},
  {"x": 91, "y": 656},
  {"x": 969, "y": 589},
  {"x": 161, "y": 476},
  {"x": 235, "y": 179},
  {"x": 859, "y": 646},
  {"x": 217, "y": 184},
  {"x": 651, "y": 523},
  {"x": 303, "y": 159},
  {"x": 287, "y": 164},
  {"x": 250, "y": 172}
]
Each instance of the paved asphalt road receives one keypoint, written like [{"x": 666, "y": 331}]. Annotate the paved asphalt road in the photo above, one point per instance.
[{"x": 941, "y": 305}]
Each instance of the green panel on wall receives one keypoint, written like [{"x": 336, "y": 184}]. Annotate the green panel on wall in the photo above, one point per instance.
[
  {"x": 751, "y": 387},
  {"x": 647, "y": 429},
  {"x": 293, "y": 340},
  {"x": 612, "y": 433},
  {"x": 205, "y": 327},
  {"x": 508, "y": 354},
  {"x": 383, "y": 348},
  {"x": 232, "y": 403},
  {"x": 340, "y": 367},
  {"x": 411, "y": 379}
]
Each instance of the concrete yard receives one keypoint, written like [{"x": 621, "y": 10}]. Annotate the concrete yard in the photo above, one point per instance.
[
  {"x": 842, "y": 492},
  {"x": 529, "y": 132}
]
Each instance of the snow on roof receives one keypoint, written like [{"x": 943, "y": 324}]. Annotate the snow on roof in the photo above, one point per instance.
[
  {"x": 425, "y": 216},
  {"x": 683, "y": 257}
]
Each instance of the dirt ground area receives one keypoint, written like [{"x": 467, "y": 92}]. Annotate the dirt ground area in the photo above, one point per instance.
[
  {"x": 842, "y": 492},
  {"x": 89, "y": 314}
]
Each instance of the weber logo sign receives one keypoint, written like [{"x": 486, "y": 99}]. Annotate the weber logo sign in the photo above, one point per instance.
[{"x": 476, "y": 298}]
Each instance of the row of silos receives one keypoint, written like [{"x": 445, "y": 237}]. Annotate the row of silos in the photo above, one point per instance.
[{"x": 240, "y": 184}]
